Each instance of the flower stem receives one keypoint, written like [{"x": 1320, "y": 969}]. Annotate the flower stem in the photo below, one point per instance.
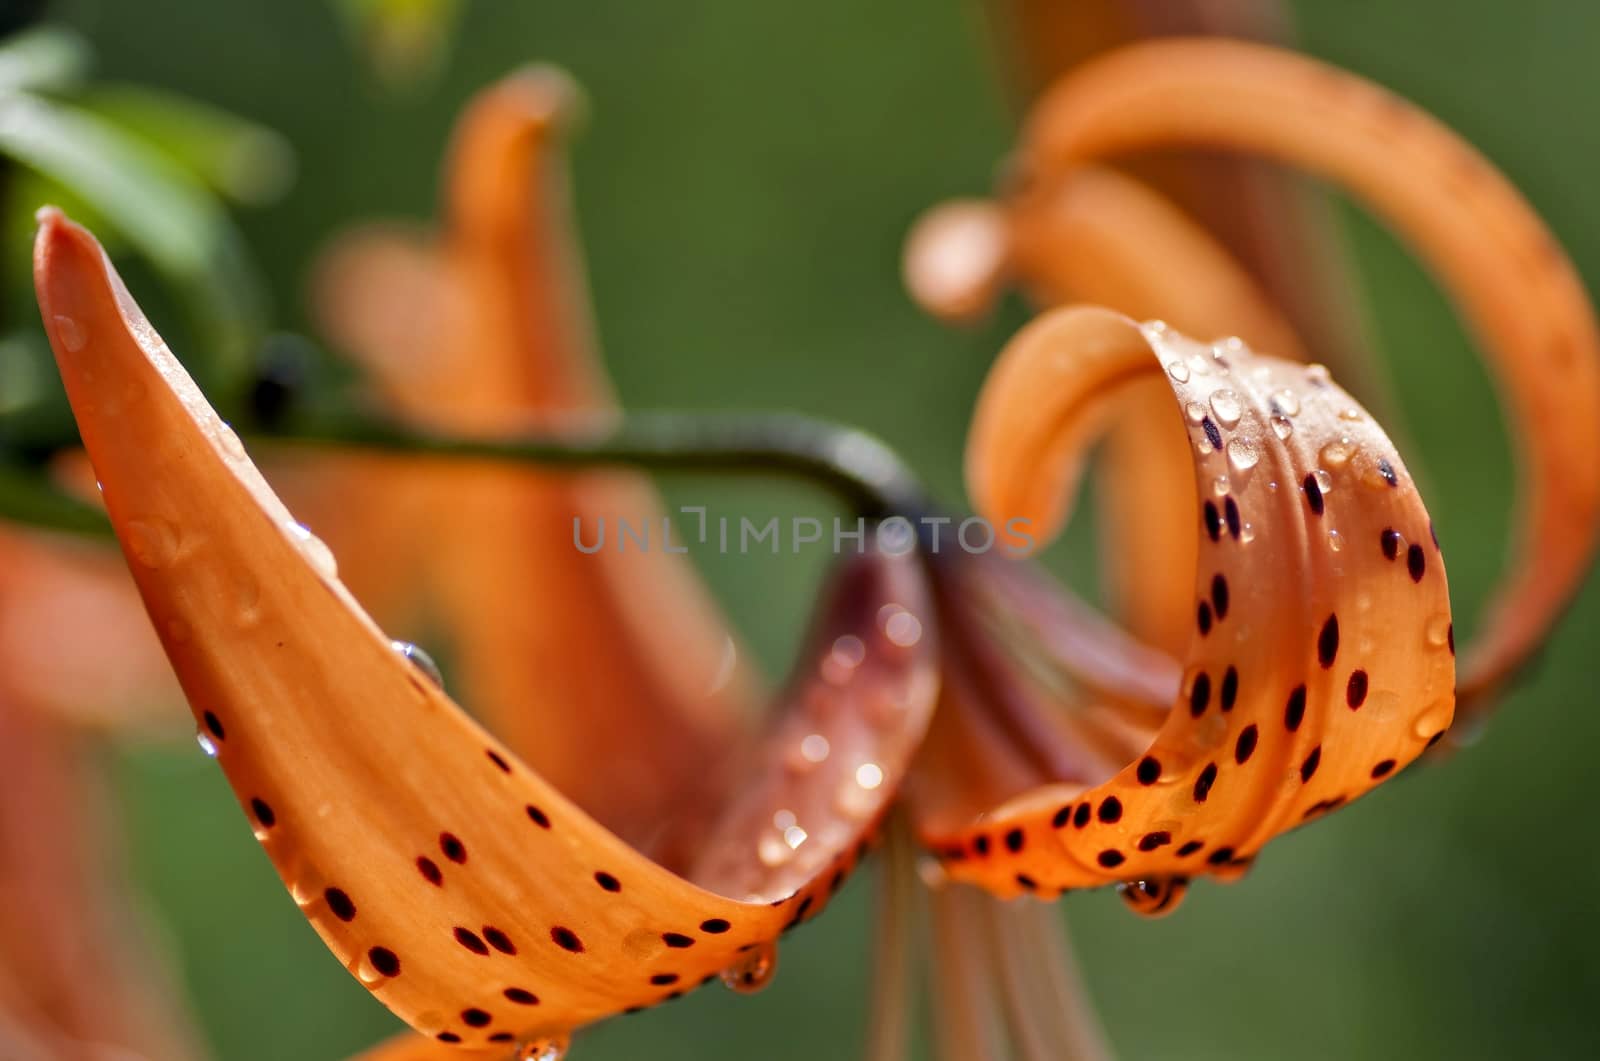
[{"x": 857, "y": 467}]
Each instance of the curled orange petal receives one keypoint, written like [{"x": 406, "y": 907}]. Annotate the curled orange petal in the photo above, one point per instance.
[
  {"x": 461, "y": 888},
  {"x": 1321, "y": 656},
  {"x": 1508, "y": 276}
]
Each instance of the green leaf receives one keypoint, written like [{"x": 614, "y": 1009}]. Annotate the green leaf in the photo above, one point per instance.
[
  {"x": 163, "y": 212},
  {"x": 42, "y": 58}
]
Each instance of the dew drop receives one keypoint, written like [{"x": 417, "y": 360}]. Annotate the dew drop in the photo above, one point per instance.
[
  {"x": 1200, "y": 365},
  {"x": 315, "y": 550},
  {"x": 1195, "y": 411},
  {"x": 1335, "y": 454},
  {"x": 1220, "y": 486},
  {"x": 1350, "y": 413},
  {"x": 1247, "y": 533},
  {"x": 1243, "y": 453},
  {"x": 72, "y": 334},
  {"x": 1285, "y": 402},
  {"x": 207, "y": 745},
  {"x": 419, "y": 658},
  {"x": 152, "y": 541},
  {"x": 1156, "y": 327},
  {"x": 1324, "y": 480},
  {"x": 1435, "y": 718},
  {"x": 754, "y": 971},
  {"x": 1153, "y": 898},
  {"x": 1438, "y": 630},
  {"x": 1317, "y": 375},
  {"x": 1178, "y": 371},
  {"x": 1225, "y": 403},
  {"x": 1335, "y": 540},
  {"x": 1282, "y": 427},
  {"x": 228, "y": 439},
  {"x": 544, "y": 1048},
  {"x": 773, "y": 852}
]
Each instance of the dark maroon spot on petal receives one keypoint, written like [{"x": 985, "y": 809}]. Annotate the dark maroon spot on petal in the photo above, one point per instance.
[
  {"x": 1386, "y": 470},
  {"x": 1355, "y": 690},
  {"x": 476, "y": 1018},
  {"x": 384, "y": 960},
  {"x": 538, "y": 817},
  {"x": 1110, "y": 810},
  {"x": 664, "y": 979},
  {"x": 214, "y": 724},
  {"x": 1220, "y": 856},
  {"x": 448, "y": 1037},
  {"x": 1080, "y": 817},
  {"x": 981, "y": 844},
  {"x": 1203, "y": 783},
  {"x": 1062, "y": 817},
  {"x": 1213, "y": 435},
  {"x": 1313, "y": 494},
  {"x": 521, "y": 996},
  {"x": 430, "y": 870},
  {"x": 502, "y": 1037},
  {"x": 340, "y": 903},
  {"x": 1328, "y": 642},
  {"x": 1230, "y": 514},
  {"x": 1151, "y": 841},
  {"x": 1245, "y": 747},
  {"x": 1230, "y": 688},
  {"x": 1295, "y": 710},
  {"x": 1203, "y": 618},
  {"x": 264, "y": 813},
  {"x": 1383, "y": 769},
  {"x": 452, "y": 847},
  {"x": 1149, "y": 771},
  {"x": 1014, "y": 840},
  {"x": 1213, "y": 521},
  {"x": 1309, "y": 768},
  {"x": 566, "y": 939},
  {"x": 1389, "y": 542},
  {"x": 607, "y": 881},
  {"x": 1027, "y": 882},
  {"x": 1189, "y": 848},
  {"x": 1450, "y": 638},
  {"x": 716, "y": 926},
  {"x": 1416, "y": 563},
  {"x": 677, "y": 940},
  {"x": 1219, "y": 596},
  {"x": 1111, "y": 858},
  {"x": 499, "y": 940},
  {"x": 496, "y": 758},
  {"x": 1200, "y": 694},
  {"x": 469, "y": 939}
]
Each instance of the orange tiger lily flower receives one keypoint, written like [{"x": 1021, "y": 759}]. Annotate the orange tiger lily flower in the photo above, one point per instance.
[{"x": 1508, "y": 276}]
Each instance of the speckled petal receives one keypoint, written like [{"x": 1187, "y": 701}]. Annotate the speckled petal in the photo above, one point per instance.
[
  {"x": 1327, "y": 664},
  {"x": 1509, "y": 277},
  {"x": 466, "y": 892}
]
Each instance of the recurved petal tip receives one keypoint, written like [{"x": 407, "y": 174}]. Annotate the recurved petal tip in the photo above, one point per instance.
[{"x": 956, "y": 259}]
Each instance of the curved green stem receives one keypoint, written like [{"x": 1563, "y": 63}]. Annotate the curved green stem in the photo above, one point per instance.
[{"x": 856, "y": 466}]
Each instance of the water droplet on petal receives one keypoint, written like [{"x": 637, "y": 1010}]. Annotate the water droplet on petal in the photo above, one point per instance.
[
  {"x": 1350, "y": 413},
  {"x": 1335, "y": 454},
  {"x": 228, "y": 439},
  {"x": 1335, "y": 540},
  {"x": 1438, "y": 630},
  {"x": 1195, "y": 411},
  {"x": 1225, "y": 403},
  {"x": 1324, "y": 480},
  {"x": 1220, "y": 486},
  {"x": 773, "y": 852},
  {"x": 1282, "y": 427},
  {"x": 1154, "y": 898},
  {"x": 754, "y": 971},
  {"x": 315, "y": 550},
  {"x": 545, "y": 1048},
  {"x": 152, "y": 541},
  {"x": 1242, "y": 453},
  {"x": 1435, "y": 718},
  {"x": 1247, "y": 533},
  {"x": 207, "y": 745},
  {"x": 73, "y": 336},
  {"x": 1178, "y": 371},
  {"x": 1285, "y": 402},
  {"x": 1317, "y": 375},
  {"x": 419, "y": 658}
]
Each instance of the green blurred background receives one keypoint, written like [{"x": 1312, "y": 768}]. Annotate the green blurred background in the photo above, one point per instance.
[{"x": 744, "y": 181}]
